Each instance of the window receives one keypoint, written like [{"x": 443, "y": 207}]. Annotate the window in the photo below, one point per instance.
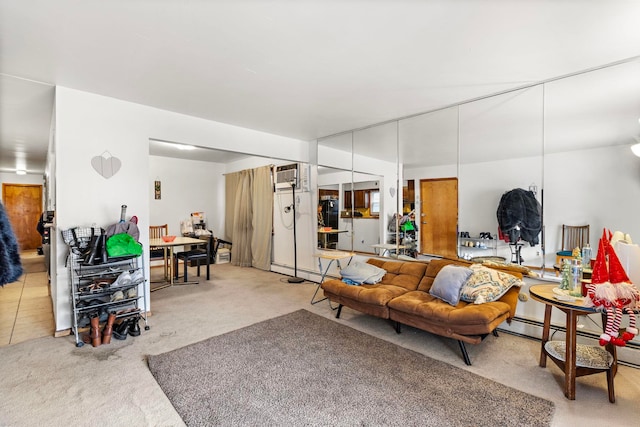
[{"x": 375, "y": 203}]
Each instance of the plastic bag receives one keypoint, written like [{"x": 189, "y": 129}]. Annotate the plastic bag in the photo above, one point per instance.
[{"x": 123, "y": 244}]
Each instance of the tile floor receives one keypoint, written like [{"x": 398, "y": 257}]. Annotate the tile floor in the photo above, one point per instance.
[{"x": 25, "y": 305}]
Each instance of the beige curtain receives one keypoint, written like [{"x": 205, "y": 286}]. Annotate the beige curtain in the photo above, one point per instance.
[
  {"x": 231, "y": 184},
  {"x": 243, "y": 221},
  {"x": 249, "y": 216},
  {"x": 262, "y": 218}
]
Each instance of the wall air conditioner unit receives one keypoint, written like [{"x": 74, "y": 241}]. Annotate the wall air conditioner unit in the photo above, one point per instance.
[{"x": 294, "y": 172}]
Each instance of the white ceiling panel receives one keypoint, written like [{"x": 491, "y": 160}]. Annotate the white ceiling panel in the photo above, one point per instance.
[{"x": 303, "y": 69}]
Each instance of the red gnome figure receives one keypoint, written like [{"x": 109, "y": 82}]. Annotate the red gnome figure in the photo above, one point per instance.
[{"x": 612, "y": 290}]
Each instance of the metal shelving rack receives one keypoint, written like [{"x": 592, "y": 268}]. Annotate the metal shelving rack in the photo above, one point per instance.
[
  {"x": 476, "y": 246},
  {"x": 93, "y": 288}
]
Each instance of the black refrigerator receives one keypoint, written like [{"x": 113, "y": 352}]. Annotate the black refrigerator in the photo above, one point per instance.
[{"x": 330, "y": 214}]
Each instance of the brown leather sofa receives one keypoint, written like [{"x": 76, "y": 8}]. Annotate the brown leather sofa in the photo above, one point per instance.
[{"x": 403, "y": 297}]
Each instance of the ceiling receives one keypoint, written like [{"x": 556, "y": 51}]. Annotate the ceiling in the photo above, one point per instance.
[{"x": 302, "y": 69}]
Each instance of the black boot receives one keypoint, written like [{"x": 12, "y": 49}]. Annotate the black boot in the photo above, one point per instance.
[
  {"x": 93, "y": 255},
  {"x": 120, "y": 330},
  {"x": 134, "y": 328},
  {"x": 103, "y": 247},
  {"x": 87, "y": 251}
]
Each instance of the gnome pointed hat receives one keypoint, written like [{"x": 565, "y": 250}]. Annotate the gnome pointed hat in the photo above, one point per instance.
[
  {"x": 600, "y": 273},
  {"x": 616, "y": 271}
]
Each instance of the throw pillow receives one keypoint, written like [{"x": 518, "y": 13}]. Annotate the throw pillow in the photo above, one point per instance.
[
  {"x": 486, "y": 285},
  {"x": 448, "y": 283}
]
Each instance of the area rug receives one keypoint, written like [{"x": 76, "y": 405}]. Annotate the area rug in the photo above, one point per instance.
[{"x": 304, "y": 369}]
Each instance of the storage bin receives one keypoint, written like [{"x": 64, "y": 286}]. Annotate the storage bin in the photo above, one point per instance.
[{"x": 223, "y": 256}]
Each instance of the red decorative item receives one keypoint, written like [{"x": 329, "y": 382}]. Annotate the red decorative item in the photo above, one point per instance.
[
  {"x": 600, "y": 274},
  {"x": 611, "y": 289}
]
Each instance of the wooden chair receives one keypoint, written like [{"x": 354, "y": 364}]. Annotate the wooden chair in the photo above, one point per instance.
[
  {"x": 155, "y": 253},
  {"x": 573, "y": 236}
]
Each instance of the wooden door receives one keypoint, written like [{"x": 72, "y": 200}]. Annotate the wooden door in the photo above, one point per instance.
[
  {"x": 439, "y": 217},
  {"x": 23, "y": 203}
]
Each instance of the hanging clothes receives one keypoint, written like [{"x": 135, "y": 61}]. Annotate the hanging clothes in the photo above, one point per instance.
[
  {"x": 10, "y": 265},
  {"x": 520, "y": 216}
]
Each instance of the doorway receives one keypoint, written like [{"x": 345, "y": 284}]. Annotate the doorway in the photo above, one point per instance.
[
  {"x": 27, "y": 301},
  {"x": 23, "y": 203},
  {"x": 439, "y": 217}
]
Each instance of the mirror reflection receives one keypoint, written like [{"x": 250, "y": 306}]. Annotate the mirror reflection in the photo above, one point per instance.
[
  {"x": 428, "y": 149},
  {"x": 375, "y": 154},
  {"x": 590, "y": 175},
  {"x": 564, "y": 141},
  {"x": 362, "y": 209},
  {"x": 500, "y": 150}
]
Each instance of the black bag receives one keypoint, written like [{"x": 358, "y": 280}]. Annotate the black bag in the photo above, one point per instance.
[{"x": 79, "y": 238}]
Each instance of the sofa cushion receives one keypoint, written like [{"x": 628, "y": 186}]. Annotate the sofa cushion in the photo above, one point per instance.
[
  {"x": 464, "y": 318},
  {"x": 448, "y": 283},
  {"x": 404, "y": 274},
  {"x": 486, "y": 285},
  {"x": 378, "y": 294}
]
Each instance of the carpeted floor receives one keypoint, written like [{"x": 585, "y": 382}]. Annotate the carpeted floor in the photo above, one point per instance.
[{"x": 303, "y": 369}]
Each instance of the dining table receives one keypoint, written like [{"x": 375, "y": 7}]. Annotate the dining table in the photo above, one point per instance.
[{"x": 170, "y": 245}]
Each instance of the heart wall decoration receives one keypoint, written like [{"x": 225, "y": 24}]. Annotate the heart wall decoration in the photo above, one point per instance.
[{"x": 106, "y": 165}]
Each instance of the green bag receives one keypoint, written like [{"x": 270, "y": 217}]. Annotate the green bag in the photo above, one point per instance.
[
  {"x": 123, "y": 244},
  {"x": 407, "y": 226}
]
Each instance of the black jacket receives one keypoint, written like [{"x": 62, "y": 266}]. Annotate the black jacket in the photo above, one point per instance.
[{"x": 520, "y": 216}]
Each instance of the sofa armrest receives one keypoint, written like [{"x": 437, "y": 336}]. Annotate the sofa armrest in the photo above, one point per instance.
[{"x": 511, "y": 298}]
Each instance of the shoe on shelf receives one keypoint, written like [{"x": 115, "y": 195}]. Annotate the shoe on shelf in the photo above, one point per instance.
[
  {"x": 119, "y": 331},
  {"x": 134, "y": 327},
  {"x": 131, "y": 293},
  {"x": 117, "y": 296},
  {"x": 94, "y": 331},
  {"x": 137, "y": 276},
  {"x": 123, "y": 279}
]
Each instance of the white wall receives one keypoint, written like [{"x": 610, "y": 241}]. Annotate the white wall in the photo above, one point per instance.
[
  {"x": 600, "y": 187},
  {"x": 186, "y": 186},
  {"x": 89, "y": 125},
  {"x": 12, "y": 178}
]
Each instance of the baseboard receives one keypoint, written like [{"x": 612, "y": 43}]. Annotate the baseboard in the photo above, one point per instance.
[{"x": 62, "y": 333}]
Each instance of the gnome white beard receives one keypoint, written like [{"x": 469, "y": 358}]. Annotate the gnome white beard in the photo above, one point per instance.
[{"x": 604, "y": 294}]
